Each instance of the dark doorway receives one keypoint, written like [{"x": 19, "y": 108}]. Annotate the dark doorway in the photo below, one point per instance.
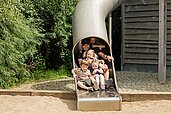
[{"x": 116, "y": 37}]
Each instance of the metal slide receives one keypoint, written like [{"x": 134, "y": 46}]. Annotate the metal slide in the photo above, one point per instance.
[{"x": 89, "y": 21}]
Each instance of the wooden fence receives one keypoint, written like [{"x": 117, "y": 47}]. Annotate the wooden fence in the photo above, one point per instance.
[{"x": 144, "y": 38}]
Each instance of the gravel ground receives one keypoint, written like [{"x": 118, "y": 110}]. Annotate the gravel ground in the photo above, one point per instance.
[
  {"x": 59, "y": 85},
  {"x": 140, "y": 81},
  {"x": 126, "y": 81}
]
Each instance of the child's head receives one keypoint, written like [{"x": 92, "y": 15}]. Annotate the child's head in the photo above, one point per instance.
[
  {"x": 85, "y": 44},
  {"x": 95, "y": 65},
  {"x": 84, "y": 65},
  {"x": 91, "y": 54}
]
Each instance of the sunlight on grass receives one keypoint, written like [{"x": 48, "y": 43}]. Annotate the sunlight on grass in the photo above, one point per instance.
[{"x": 51, "y": 74}]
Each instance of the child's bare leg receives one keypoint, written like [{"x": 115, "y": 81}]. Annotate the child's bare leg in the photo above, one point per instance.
[
  {"x": 92, "y": 79},
  {"x": 80, "y": 84},
  {"x": 95, "y": 85},
  {"x": 102, "y": 81},
  {"x": 106, "y": 71},
  {"x": 106, "y": 74},
  {"x": 97, "y": 81}
]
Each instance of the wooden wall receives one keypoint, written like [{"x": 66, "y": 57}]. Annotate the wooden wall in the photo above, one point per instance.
[
  {"x": 140, "y": 35},
  {"x": 168, "y": 33}
]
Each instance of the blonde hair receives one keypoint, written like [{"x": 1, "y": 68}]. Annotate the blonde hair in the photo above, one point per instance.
[
  {"x": 84, "y": 62},
  {"x": 95, "y": 62},
  {"x": 92, "y": 51}
]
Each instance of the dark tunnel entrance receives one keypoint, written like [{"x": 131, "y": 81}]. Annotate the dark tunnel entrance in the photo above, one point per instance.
[{"x": 116, "y": 37}]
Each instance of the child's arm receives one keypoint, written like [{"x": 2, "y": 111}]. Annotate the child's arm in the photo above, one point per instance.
[
  {"x": 94, "y": 71},
  {"x": 89, "y": 73},
  {"x": 100, "y": 70}
]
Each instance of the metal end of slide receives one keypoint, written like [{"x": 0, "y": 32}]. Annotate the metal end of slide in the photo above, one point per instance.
[{"x": 89, "y": 21}]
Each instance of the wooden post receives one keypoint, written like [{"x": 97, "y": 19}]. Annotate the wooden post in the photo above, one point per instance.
[{"x": 162, "y": 40}]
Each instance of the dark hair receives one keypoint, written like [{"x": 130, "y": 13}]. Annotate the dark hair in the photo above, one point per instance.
[{"x": 85, "y": 41}]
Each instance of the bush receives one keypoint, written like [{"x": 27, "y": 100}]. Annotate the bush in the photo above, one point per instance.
[
  {"x": 56, "y": 16},
  {"x": 17, "y": 44}
]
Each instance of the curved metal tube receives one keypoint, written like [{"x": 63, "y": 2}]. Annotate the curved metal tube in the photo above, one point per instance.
[
  {"x": 88, "y": 21},
  {"x": 89, "y": 18}
]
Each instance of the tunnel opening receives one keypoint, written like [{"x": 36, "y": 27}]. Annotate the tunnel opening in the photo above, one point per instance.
[{"x": 116, "y": 37}]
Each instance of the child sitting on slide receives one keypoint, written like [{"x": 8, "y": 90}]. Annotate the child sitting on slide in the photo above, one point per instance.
[
  {"x": 91, "y": 56},
  {"x": 98, "y": 75},
  {"x": 96, "y": 67},
  {"x": 83, "y": 75}
]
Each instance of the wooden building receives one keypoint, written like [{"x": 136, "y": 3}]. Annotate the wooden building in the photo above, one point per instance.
[{"x": 146, "y": 36}]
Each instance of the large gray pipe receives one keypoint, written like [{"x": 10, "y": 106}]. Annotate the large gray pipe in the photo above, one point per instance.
[{"x": 89, "y": 18}]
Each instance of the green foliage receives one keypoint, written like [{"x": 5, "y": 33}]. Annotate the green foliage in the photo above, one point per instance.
[
  {"x": 21, "y": 22},
  {"x": 17, "y": 44},
  {"x": 26, "y": 7},
  {"x": 56, "y": 16}
]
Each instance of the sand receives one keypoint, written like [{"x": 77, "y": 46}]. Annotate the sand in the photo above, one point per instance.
[{"x": 52, "y": 105}]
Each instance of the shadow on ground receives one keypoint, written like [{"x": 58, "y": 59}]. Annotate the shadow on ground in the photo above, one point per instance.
[{"x": 71, "y": 104}]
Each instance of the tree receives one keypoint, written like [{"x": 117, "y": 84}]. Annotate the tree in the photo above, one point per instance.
[
  {"x": 56, "y": 16},
  {"x": 17, "y": 43}
]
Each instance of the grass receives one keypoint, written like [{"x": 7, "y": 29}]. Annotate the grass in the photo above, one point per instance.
[{"x": 44, "y": 75}]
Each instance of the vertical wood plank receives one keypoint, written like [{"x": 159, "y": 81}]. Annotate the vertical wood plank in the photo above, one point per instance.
[{"x": 162, "y": 40}]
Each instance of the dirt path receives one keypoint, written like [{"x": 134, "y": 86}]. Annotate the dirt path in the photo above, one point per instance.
[{"x": 51, "y": 105}]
